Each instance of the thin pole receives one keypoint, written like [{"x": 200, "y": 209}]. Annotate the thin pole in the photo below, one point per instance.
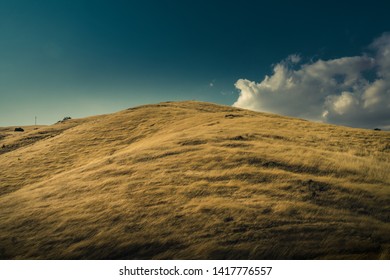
[{"x": 35, "y": 120}]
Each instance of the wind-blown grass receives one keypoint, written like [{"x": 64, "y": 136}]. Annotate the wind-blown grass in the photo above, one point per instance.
[{"x": 193, "y": 180}]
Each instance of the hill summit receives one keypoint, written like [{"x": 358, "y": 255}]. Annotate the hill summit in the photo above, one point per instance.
[{"x": 194, "y": 180}]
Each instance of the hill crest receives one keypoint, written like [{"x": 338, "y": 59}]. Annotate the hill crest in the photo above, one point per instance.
[{"x": 194, "y": 180}]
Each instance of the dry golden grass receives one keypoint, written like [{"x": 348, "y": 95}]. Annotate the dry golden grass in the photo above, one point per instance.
[{"x": 193, "y": 180}]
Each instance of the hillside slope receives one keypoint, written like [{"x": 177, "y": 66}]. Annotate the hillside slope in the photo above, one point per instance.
[{"x": 193, "y": 180}]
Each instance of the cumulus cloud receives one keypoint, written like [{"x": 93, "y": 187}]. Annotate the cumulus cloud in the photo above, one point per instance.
[{"x": 351, "y": 91}]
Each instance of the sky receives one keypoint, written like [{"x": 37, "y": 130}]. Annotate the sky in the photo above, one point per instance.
[{"x": 326, "y": 61}]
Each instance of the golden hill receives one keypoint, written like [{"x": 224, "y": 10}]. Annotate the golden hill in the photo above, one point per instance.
[{"x": 193, "y": 180}]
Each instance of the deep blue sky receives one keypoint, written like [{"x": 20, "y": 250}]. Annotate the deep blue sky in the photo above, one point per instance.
[{"x": 79, "y": 58}]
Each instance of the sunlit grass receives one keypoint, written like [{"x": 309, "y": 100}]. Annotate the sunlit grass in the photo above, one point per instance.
[{"x": 194, "y": 180}]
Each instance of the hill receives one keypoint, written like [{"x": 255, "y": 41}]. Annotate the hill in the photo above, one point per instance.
[{"x": 194, "y": 180}]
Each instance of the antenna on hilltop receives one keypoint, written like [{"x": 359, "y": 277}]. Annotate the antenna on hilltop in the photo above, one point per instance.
[{"x": 35, "y": 120}]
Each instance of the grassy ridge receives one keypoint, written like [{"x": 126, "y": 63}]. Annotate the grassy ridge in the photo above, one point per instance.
[{"x": 193, "y": 180}]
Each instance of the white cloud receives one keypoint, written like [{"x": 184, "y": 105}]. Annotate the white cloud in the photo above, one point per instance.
[
  {"x": 337, "y": 91},
  {"x": 294, "y": 58}
]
